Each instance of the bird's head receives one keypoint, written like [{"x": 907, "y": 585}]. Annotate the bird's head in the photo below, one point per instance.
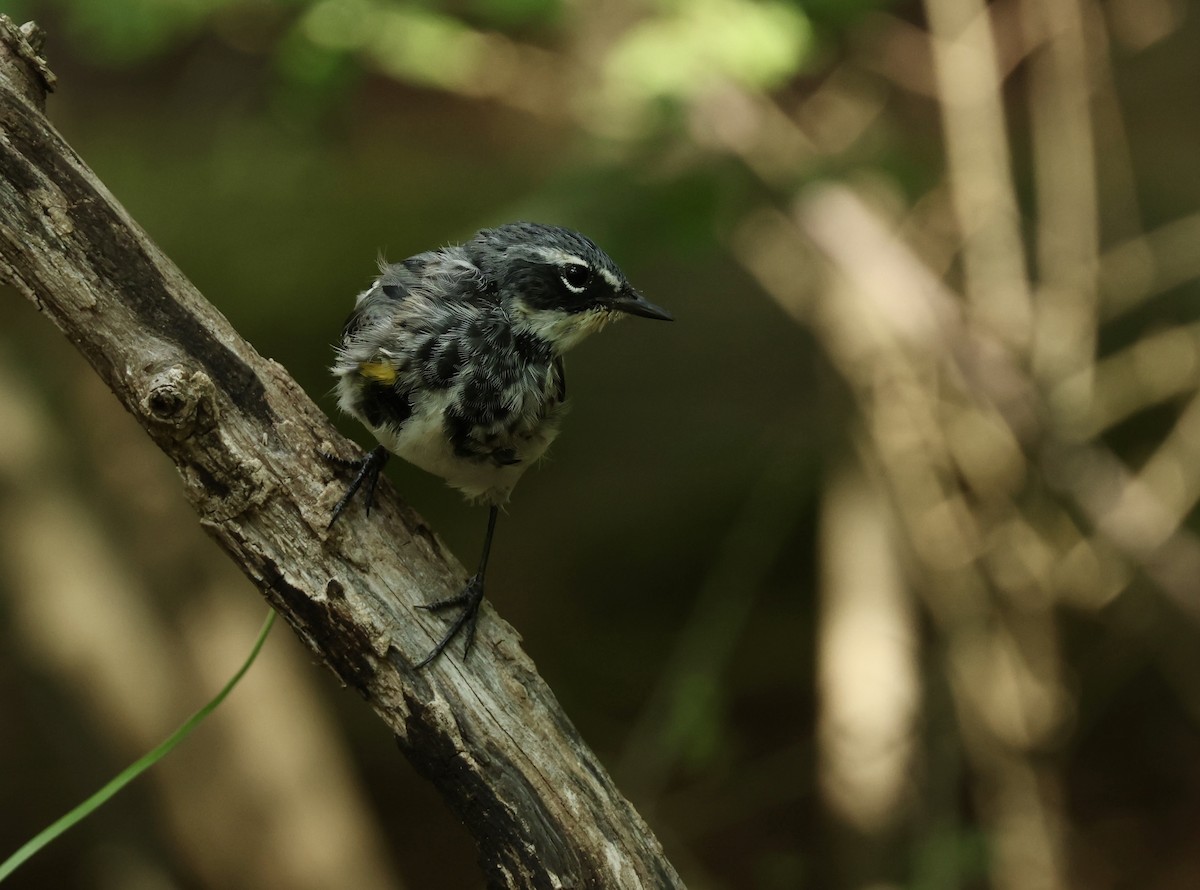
[{"x": 557, "y": 283}]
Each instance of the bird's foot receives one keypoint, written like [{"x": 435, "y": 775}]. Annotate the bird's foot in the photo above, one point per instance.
[
  {"x": 469, "y": 600},
  {"x": 369, "y": 469}
]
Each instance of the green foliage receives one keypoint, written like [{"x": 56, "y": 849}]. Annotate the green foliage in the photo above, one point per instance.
[
  {"x": 18, "y": 10},
  {"x": 676, "y": 51},
  {"x": 125, "y": 32},
  {"x": 508, "y": 14},
  {"x": 689, "y": 44},
  {"x": 407, "y": 42},
  {"x": 840, "y": 14},
  {"x": 948, "y": 857},
  {"x": 696, "y": 728}
]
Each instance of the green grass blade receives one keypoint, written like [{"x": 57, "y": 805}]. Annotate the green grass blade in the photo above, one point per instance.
[{"x": 135, "y": 769}]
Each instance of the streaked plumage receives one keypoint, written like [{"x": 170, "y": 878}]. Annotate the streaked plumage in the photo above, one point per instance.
[{"x": 453, "y": 359}]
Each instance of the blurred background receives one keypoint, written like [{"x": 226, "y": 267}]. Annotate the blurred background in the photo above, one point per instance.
[{"x": 877, "y": 569}]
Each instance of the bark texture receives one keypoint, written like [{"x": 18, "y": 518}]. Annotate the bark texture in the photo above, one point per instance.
[{"x": 246, "y": 439}]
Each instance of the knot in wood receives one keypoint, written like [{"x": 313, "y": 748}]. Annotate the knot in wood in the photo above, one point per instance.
[{"x": 180, "y": 399}]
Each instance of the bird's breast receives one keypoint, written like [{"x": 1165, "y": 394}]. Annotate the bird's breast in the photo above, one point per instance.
[{"x": 479, "y": 436}]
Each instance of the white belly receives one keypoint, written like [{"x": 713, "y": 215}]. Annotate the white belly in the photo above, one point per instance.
[{"x": 422, "y": 442}]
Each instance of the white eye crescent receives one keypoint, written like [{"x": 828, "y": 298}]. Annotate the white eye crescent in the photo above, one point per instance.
[{"x": 575, "y": 277}]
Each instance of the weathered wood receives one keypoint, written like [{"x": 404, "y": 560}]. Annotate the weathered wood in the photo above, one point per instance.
[{"x": 247, "y": 441}]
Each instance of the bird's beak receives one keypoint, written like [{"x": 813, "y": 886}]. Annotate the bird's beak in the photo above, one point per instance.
[{"x": 632, "y": 302}]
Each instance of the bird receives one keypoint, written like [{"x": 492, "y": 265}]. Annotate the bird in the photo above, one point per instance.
[{"x": 453, "y": 359}]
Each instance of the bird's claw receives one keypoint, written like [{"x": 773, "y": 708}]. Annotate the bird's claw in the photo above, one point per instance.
[
  {"x": 369, "y": 468},
  {"x": 470, "y": 600}
]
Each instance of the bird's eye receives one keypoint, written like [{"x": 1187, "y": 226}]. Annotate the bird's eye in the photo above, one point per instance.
[{"x": 575, "y": 277}]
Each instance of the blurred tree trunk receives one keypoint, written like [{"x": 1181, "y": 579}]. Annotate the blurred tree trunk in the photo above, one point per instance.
[{"x": 246, "y": 440}]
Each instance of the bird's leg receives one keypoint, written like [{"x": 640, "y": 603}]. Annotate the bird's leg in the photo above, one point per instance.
[
  {"x": 369, "y": 469},
  {"x": 470, "y": 600}
]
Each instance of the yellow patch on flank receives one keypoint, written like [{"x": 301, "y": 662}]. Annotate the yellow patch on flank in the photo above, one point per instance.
[{"x": 380, "y": 371}]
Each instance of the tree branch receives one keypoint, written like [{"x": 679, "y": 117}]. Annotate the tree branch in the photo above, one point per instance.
[{"x": 246, "y": 439}]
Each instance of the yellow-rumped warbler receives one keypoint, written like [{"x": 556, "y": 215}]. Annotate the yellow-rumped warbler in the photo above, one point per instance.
[{"x": 453, "y": 359}]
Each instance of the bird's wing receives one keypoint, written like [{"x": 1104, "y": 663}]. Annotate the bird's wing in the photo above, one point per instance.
[
  {"x": 378, "y": 301},
  {"x": 403, "y": 320}
]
